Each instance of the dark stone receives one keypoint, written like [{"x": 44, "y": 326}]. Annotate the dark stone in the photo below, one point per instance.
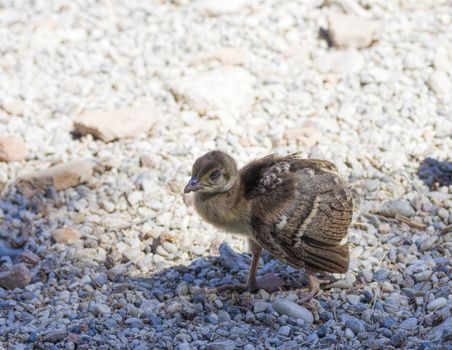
[
  {"x": 397, "y": 339},
  {"x": 155, "y": 320},
  {"x": 435, "y": 173},
  {"x": 389, "y": 322},
  {"x": 381, "y": 275},
  {"x": 357, "y": 326},
  {"x": 321, "y": 332},
  {"x": 368, "y": 296},
  {"x": 188, "y": 277}
]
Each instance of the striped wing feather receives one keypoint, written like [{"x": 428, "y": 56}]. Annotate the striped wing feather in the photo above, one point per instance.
[{"x": 301, "y": 211}]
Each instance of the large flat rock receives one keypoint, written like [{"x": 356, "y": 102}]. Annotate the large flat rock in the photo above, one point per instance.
[
  {"x": 225, "y": 89},
  {"x": 61, "y": 176},
  {"x": 116, "y": 124},
  {"x": 348, "y": 31}
]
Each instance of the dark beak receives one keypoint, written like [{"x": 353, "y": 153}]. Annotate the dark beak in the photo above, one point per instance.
[{"x": 193, "y": 185}]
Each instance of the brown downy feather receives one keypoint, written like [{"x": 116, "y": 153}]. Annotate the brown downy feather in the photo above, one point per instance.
[{"x": 298, "y": 209}]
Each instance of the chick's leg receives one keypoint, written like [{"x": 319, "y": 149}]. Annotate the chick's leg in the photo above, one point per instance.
[
  {"x": 251, "y": 283},
  {"x": 269, "y": 282},
  {"x": 313, "y": 287}
]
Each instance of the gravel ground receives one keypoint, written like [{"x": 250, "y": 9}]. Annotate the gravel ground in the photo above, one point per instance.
[{"x": 112, "y": 256}]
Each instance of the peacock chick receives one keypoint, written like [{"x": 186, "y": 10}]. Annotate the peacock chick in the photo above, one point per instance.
[{"x": 297, "y": 209}]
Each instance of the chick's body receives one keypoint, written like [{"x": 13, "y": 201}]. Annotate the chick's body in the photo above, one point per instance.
[{"x": 297, "y": 209}]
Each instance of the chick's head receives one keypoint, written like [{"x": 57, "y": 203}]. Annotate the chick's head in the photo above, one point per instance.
[{"x": 214, "y": 172}]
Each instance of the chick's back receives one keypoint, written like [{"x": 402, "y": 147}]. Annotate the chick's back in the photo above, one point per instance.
[{"x": 300, "y": 211}]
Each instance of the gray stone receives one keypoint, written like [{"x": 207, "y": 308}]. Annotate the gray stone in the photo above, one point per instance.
[
  {"x": 392, "y": 208},
  {"x": 260, "y": 306},
  {"x": 427, "y": 243},
  {"x": 55, "y": 336},
  {"x": 409, "y": 324},
  {"x": 291, "y": 309},
  {"x": 98, "y": 309},
  {"x": 221, "y": 345},
  {"x": 440, "y": 84},
  {"x": 438, "y": 303},
  {"x": 135, "y": 322},
  {"x": 355, "y": 325},
  {"x": 223, "y": 316},
  {"x": 284, "y": 330},
  {"x": 353, "y": 299},
  {"x": 18, "y": 276}
]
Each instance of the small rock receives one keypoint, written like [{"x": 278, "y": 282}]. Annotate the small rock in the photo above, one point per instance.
[
  {"x": 443, "y": 214},
  {"x": 291, "y": 309},
  {"x": 135, "y": 322},
  {"x": 349, "y": 333},
  {"x": 440, "y": 84},
  {"x": 387, "y": 287},
  {"x": 110, "y": 324},
  {"x": 223, "y": 316},
  {"x": 397, "y": 339},
  {"x": 60, "y": 176},
  {"x": 224, "y": 89},
  {"x": 355, "y": 325},
  {"x": 353, "y": 299},
  {"x": 249, "y": 317},
  {"x": 232, "y": 260},
  {"x": 174, "y": 307},
  {"x": 392, "y": 208},
  {"x": 16, "y": 107},
  {"x": 182, "y": 289},
  {"x": 312, "y": 338},
  {"x": 284, "y": 330},
  {"x": 306, "y": 136},
  {"x": 427, "y": 243},
  {"x": 198, "y": 250},
  {"x": 212, "y": 318},
  {"x": 409, "y": 324},
  {"x": 345, "y": 283},
  {"x": 146, "y": 181},
  {"x": 55, "y": 336},
  {"x": 98, "y": 309},
  {"x": 260, "y": 306},
  {"x": 392, "y": 304},
  {"x": 347, "y": 31},
  {"x": 437, "y": 304},
  {"x": 422, "y": 275},
  {"x": 12, "y": 149},
  {"x": 226, "y": 55},
  {"x": 367, "y": 275},
  {"x": 28, "y": 257},
  {"x": 218, "y": 8},
  {"x": 169, "y": 247},
  {"x": 221, "y": 345},
  {"x": 347, "y": 61},
  {"x": 371, "y": 185},
  {"x": 388, "y": 322},
  {"x": 18, "y": 276},
  {"x": 117, "y": 124},
  {"x": 66, "y": 235}
]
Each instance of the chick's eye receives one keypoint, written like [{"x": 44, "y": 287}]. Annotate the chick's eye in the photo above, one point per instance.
[{"x": 215, "y": 174}]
